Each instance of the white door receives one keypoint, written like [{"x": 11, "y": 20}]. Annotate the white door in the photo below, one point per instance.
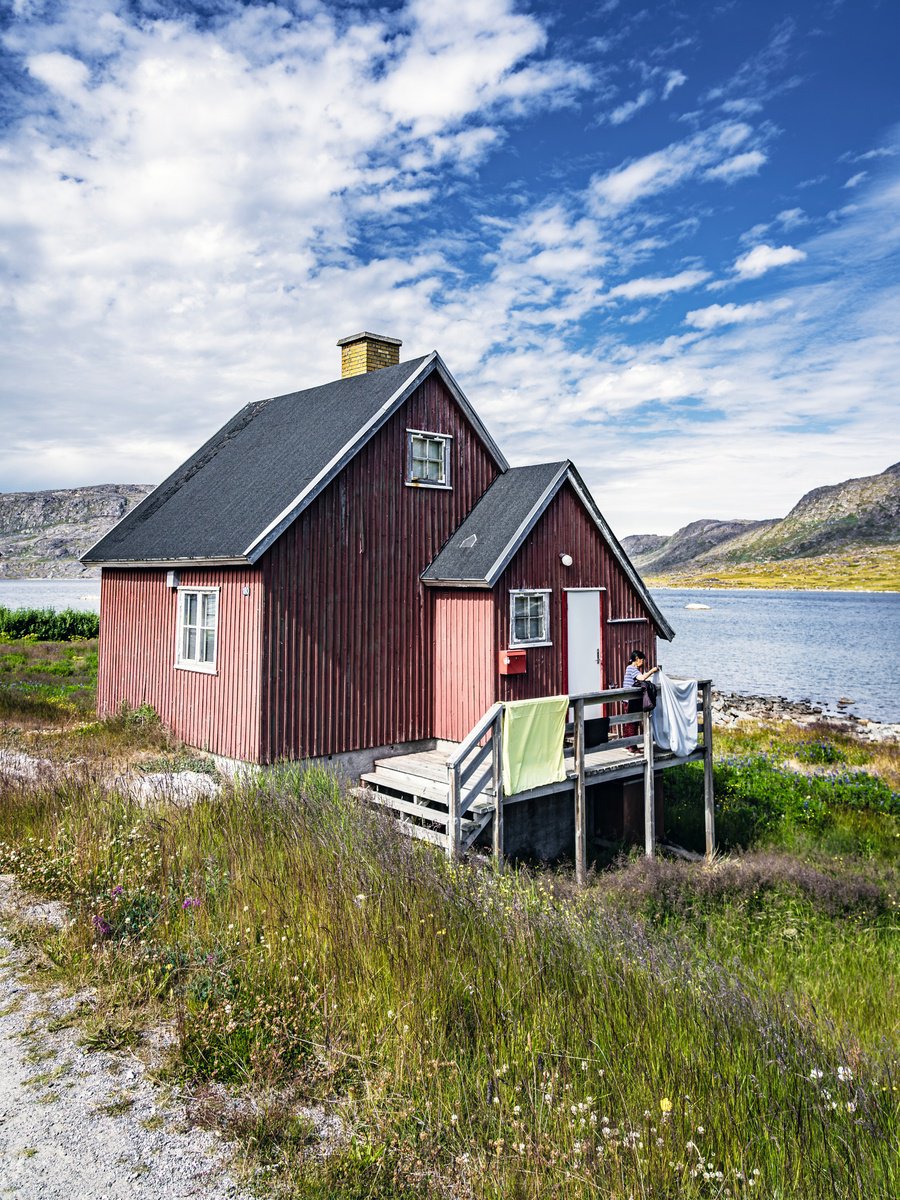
[{"x": 584, "y": 622}]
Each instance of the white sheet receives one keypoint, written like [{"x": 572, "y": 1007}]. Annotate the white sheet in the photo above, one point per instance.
[{"x": 674, "y": 720}]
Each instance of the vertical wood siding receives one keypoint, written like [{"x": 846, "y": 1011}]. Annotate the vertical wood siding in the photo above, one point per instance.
[
  {"x": 464, "y": 658},
  {"x": 347, "y": 650},
  {"x": 138, "y": 613},
  {"x": 566, "y": 528}
]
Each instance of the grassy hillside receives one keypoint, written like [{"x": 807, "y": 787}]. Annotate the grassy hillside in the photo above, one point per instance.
[
  {"x": 672, "y": 1030},
  {"x": 869, "y": 568},
  {"x": 846, "y": 536}
]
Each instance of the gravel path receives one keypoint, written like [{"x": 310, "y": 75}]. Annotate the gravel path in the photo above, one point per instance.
[{"x": 57, "y": 1142}]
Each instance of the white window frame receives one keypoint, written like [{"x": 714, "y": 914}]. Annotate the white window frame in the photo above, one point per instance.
[
  {"x": 513, "y": 594},
  {"x": 182, "y": 662},
  {"x": 445, "y": 440}
]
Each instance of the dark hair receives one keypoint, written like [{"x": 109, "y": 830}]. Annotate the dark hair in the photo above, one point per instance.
[{"x": 635, "y": 655}]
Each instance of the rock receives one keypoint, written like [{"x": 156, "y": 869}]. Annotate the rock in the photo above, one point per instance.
[{"x": 43, "y": 534}]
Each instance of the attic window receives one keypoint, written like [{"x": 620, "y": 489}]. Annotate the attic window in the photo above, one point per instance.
[
  {"x": 529, "y": 618},
  {"x": 197, "y": 632},
  {"x": 428, "y": 459}
]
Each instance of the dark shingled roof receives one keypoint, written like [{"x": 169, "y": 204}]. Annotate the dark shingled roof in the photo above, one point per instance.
[
  {"x": 483, "y": 546},
  {"x": 232, "y": 498}
]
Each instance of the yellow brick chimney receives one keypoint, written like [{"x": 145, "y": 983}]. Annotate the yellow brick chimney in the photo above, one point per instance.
[{"x": 364, "y": 352}]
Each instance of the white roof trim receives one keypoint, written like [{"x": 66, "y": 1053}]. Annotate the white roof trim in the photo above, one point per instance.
[
  {"x": 621, "y": 557},
  {"x": 141, "y": 563},
  {"x": 287, "y": 516}
]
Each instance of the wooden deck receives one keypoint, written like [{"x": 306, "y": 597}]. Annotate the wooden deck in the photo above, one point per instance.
[{"x": 450, "y": 798}]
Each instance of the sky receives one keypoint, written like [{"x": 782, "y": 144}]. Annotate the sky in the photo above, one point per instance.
[{"x": 659, "y": 239}]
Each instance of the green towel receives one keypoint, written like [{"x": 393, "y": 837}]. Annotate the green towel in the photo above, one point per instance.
[{"x": 533, "y": 732}]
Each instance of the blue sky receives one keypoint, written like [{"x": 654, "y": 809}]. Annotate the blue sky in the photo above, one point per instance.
[{"x": 659, "y": 239}]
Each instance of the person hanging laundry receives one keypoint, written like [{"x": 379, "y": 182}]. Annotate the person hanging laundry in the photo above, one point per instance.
[{"x": 635, "y": 675}]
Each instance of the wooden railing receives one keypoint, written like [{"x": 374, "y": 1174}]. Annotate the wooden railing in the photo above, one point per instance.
[{"x": 477, "y": 763}]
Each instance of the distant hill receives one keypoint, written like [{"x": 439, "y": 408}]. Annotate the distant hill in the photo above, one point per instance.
[
  {"x": 843, "y": 535},
  {"x": 43, "y": 534}
]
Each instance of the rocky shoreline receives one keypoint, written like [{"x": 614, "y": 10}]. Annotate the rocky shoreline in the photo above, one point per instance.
[{"x": 730, "y": 708}]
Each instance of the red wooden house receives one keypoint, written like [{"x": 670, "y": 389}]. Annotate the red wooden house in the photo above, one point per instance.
[{"x": 355, "y": 569}]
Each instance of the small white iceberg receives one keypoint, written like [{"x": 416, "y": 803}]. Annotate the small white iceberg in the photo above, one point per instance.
[{"x": 696, "y": 606}]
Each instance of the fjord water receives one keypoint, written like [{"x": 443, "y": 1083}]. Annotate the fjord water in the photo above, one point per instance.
[
  {"x": 817, "y": 646},
  {"x": 80, "y": 594}
]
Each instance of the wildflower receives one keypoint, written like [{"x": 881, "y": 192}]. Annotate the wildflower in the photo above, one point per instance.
[
  {"x": 815, "y": 1074},
  {"x": 665, "y": 1104},
  {"x": 453, "y": 1118},
  {"x": 700, "y": 1129},
  {"x": 844, "y": 1074},
  {"x": 117, "y": 890},
  {"x": 191, "y": 902},
  {"x": 517, "y": 1109},
  {"x": 851, "y": 1106}
]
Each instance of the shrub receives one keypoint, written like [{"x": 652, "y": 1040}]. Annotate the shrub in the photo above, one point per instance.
[
  {"x": 757, "y": 798},
  {"x": 47, "y": 625}
]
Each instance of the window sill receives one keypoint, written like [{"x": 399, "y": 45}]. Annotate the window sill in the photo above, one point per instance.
[
  {"x": 434, "y": 487},
  {"x": 527, "y": 645},
  {"x": 199, "y": 668}
]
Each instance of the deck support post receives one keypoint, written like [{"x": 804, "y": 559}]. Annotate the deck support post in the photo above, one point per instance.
[
  {"x": 453, "y": 806},
  {"x": 708, "y": 792},
  {"x": 497, "y": 765},
  {"x": 649, "y": 797},
  {"x": 580, "y": 798}
]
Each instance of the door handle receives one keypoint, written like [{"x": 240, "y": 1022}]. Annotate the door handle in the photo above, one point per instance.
[{"x": 598, "y": 656}]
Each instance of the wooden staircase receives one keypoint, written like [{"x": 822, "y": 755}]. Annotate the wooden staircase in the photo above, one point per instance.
[{"x": 416, "y": 787}]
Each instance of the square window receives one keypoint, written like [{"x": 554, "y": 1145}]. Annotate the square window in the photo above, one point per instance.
[
  {"x": 529, "y": 618},
  {"x": 428, "y": 459},
  {"x": 198, "y": 620}
]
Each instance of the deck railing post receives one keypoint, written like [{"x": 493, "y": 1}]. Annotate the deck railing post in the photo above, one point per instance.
[
  {"x": 649, "y": 798},
  {"x": 453, "y": 824},
  {"x": 580, "y": 798},
  {"x": 708, "y": 791},
  {"x": 497, "y": 764}
]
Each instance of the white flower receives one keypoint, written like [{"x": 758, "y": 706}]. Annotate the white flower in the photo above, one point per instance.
[
  {"x": 453, "y": 1118},
  {"x": 815, "y": 1074}
]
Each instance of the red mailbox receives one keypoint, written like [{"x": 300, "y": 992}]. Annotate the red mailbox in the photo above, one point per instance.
[{"x": 513, "y": 662}]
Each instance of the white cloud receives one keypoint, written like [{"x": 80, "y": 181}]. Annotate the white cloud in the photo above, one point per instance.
[
  {"x": 764, "y": 258},
  {"x": 60, "y": 72},
  {"x": 856, "y": 180},
  {"x": 664, "y": 169},
  {"x": 627, "y": 110},
  {"x": 791, "y": 217},
  {"x": 673, "y": 80},
  {"x": 717, "y": 315},
  {"x": 636, "y": 289},
  {"x": 737, "y": 167}
]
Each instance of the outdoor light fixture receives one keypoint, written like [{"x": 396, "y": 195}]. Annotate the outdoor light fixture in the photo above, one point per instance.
[{"x": 566, "y": 560}]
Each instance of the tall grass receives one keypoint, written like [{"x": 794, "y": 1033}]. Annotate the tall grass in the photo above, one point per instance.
[
  {"x": 48, "y": 625},
  {"x": 482, "y": 1034}
]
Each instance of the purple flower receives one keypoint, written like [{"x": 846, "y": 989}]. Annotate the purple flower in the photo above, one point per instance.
[
  {"x": 117, "y": 890},
  {"x": 102, "y": 926},
  {"x": 192, "y": 902}
]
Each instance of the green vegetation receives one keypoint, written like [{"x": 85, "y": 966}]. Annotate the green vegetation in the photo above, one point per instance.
[
  {"x": 860, "y": 569},
  {"x": 45, "y": 624},
  {"x": 672, "y": 1030},
  {"x": 46, "y": 682}
]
